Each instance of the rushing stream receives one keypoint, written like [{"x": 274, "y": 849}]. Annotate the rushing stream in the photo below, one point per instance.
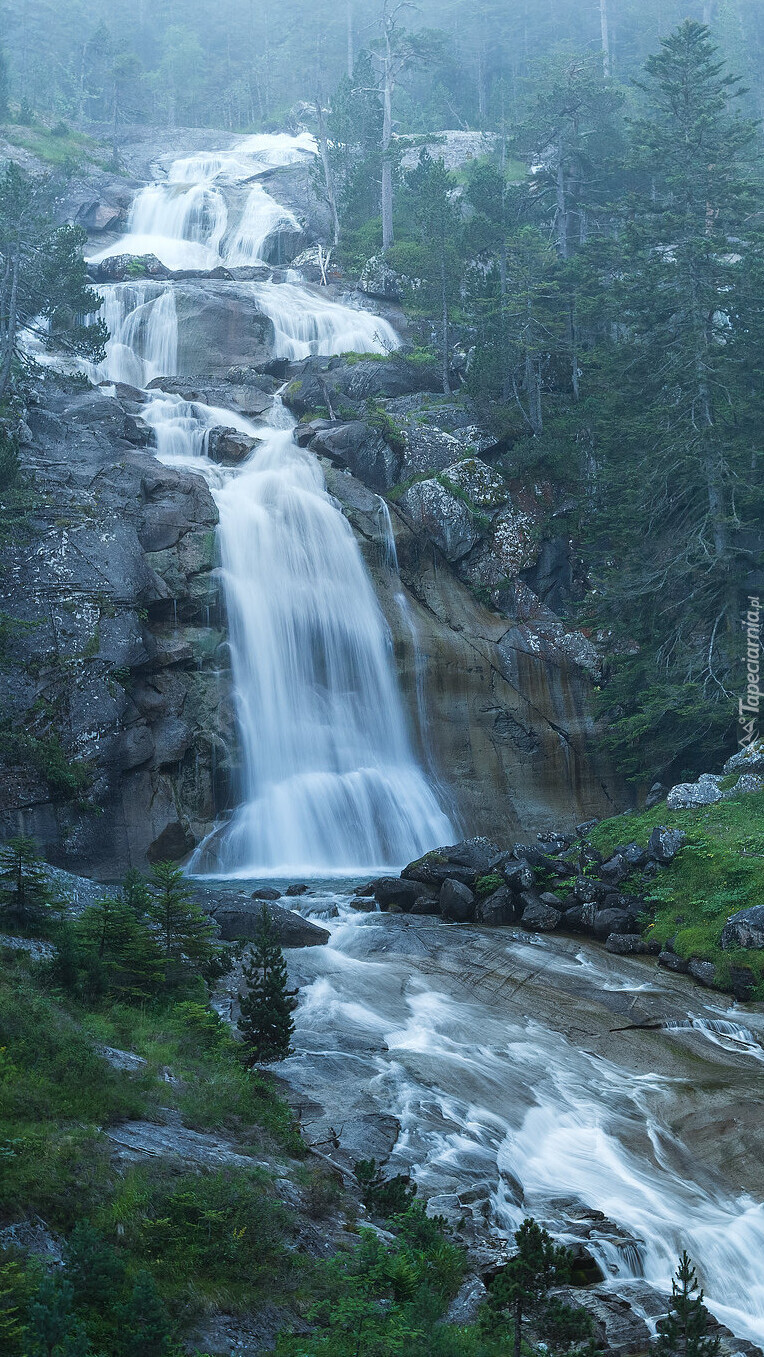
[{"x": 508, "y": 1074}]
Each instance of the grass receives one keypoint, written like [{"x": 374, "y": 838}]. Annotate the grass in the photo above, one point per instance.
[
  {"x": 57, "y": 149},
  {"x": 719, "y": 871}
]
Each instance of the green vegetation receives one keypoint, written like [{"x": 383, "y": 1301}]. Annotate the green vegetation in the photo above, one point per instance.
[
  {"x": 59, "y": 146},
  {"x": 719, "y": 870},
  {"x": 684, "y": 1331},
  {"x": 486, "y": 885},
  {"x": 266, "y": 1023}
]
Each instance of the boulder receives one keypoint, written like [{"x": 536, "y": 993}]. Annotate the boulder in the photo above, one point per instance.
[
  {"x": 664, "y": 844},
  {"x": 479, "y": 854},
  {"x": 607, "y": 921},
  {"x": 705, "y": 792},
  {"x": 518, "y": 875},
  {"x": 572, "y": 920},
  {"x": 618, "y": 1329},
  {"x": 119, "y": 267},
  {"x": 457, "y": 901},
  {"x": 297, "y": 888},
  {"x": 508, "y": 547},
  {"x": 446, "y": 520},
  {"x": 536, "y": 916},
  {"x": 744, "y": 930},
  {"x": 497, "y": 908},
  {"x": 626, "y": 944},
  {"x": 615, "y": 870},
  {"x": 229, "y": 446},
  {"x": 750, "y": 759},
  {"x": 671, "y": 962},
  {"x": 655, "y": 795},
  {"x": 361, "y": 448},
  {"x": 589, "y": 891},
  {"x": 426, "y": 903},
  {"x": 392, "y": 892},
  {"x": 746, "y": 783},
  {"x": 702, "y": 971},
  {"x": 742, "y": 982},
  {"x": 238, "y": 922},
  {"x": 379, "y": 280},
  {"x": 633, "y": 854},
  {"x": 484, "y": 487},
  {"x": 266, "y": 893}
]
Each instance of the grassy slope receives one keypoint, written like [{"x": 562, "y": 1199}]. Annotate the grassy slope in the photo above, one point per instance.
[
  {"x": 57, "y": 151},
  {"x": 719, "y": 871}
]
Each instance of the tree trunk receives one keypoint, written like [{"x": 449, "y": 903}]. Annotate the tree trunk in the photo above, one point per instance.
[
  {"x": 350, "y": 46},
  {"x": 518, "y": 1328},
  {"x": 444, "y": 318},
  {"x": 387, "y": 136},
  {"x": 11, "y": 323},
  {"x": 562, "y": 209},
  {"x": 605, "y": 36},
  {"x": 327, "y": 168}
]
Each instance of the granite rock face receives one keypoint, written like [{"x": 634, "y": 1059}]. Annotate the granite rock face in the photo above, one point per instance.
[{"x": 116, "y": 668}]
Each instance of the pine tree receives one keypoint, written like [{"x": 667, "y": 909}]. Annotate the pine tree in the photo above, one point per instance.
[
  {"x": 25, "y": 896},
  {"x": 14, "y": 1301},
  {"x": 524, "y": 1285},
  {"x": 125, "y": 957},
  {"x": 146, "y": 1325},
  {"x": 184, "y": 933},
  {"x": 136, "y": 892},
  {"x": 266, "y": 1021},
  {"x": 684, "y": 1331}
]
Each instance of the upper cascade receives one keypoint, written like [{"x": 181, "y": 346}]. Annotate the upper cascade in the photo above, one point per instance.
[{"x": 187, "y": 220}]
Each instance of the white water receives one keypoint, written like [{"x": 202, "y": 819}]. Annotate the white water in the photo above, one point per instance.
[
  {"x": 143, "y": 333},
  {"x": 185, "y": 220},
  {"x": 420, "y": 1020},
  {"x": 306, "y": 324},
  {"x": 331, "y": 783}
]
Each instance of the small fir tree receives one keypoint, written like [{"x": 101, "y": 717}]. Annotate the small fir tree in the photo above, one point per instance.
[
  {"x": 121, "y": 954},
  {"x": 684, "y": 1331},
  {"x": 266, "y": 1021},
  {"x": 25, "y": 895},
  {"x": 184, "y": 933},
  {"x": 522, "y": 1289},
  {"x": 146, "y": 1324},
  {"x": 136, "y": 893}
]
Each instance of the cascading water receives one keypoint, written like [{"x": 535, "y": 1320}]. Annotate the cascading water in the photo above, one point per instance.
[
  {"x": 143, "y": 333},
  {"x": 331, "y": 783},
  {"x": 262, "y": 218},
  {"x": 306, "y": 324}
]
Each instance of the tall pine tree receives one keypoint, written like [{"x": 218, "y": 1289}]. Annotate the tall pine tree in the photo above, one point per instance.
[{"x": 266, "y": 1023}]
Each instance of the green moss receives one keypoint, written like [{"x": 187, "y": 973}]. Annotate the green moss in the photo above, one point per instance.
[
  {"x": 486, "y": 885},
  {"x": 719, "y": 871}
]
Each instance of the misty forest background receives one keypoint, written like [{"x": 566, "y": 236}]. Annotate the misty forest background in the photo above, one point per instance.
[{"x": 592, "y": 283}]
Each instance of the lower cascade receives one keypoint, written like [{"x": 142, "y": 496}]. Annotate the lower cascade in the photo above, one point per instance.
[{"x": 331, "y": 784}]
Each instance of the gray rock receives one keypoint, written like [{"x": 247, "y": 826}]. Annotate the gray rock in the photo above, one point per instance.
[
  {"x": 671, "y": 962},
  {"x": 457, "y": 901},
  {"x": 122, "y": 1060},
  {"x": 426, "y": 904},
  {"x": 484, "y": 487},
  {"x": 393, "y": 892},
  {"x": 702, "y": 971},
  {"x": 518, "y": 875},
  {"x": 744, "y": 929},
  {"x": 363, "y": 450},
  {"x": 31, "y": 1236},
  {"x": 655, "y": 795},
  {"x": 238, "y": 922},
  {"x": 297, "y": 888},
  {"x": 229, "y": 446},
  {"x": 444, "y": 519},
  {"x": 496, "y": 909},
  {"x": 136, "y": 1141},
  {"x": 379, "y": 280},
  {"x": 538, "y": 917},
  {"x": 266, "y": 893},
  {"x": 750, "y": 759},
  {"x": 626, "y": 944},
  {"x": 607, "y": 921},
  {"x": 465, "y": 1307},
  {"x": 479, "y": 854},
  {"x": 634, "y": 855},
  {"x": 615, "y": 870},
  {"x": 664, "y": 844},
  {"x": 704, "y": 792},
  {"x": 746, "y": 784},
  {"x": 618, "y": 1329}
]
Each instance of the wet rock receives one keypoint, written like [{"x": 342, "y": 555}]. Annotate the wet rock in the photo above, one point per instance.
[
  {"x": 664, "y": 844},
  {"x": 135, "y": 1141},
  {"x": 705, "y": 792},
  {"x": 744, "y": 929},
  {"x": 297, "y": 888},
  {"x": 366, "y": 906},
  {"x": 572, "y": 920},
  {"x": 426, "y": 904},
  {"x": 362, "y": 449},
  {"x": 479, "y": 854},
  {"x": 507, "y": 548},
  {"x": 239, "y": 923},
  {"x": 118, "y": 267},
  {"x": 554, "y": 901},
  {"x": 266, "y": 893},
  {"x": 626, "y": 944},
  {"x": 496, "y": 909},
  {"x": 589, "y": 891},
  {"x": 229, "y": 446},
  {"x": 457, "y": 901},
  {"x": 439, "y": 515},
  {"x": 465, "y": 1307},
  {"x": 435, "y": 867},
  {"x": 742, "y": 982},
  {"x": 655, "y": 795},
  {"x": 702, "y": 971},
  {"x": 607, "y": 921},
  {"x": 618, "y": 1329},
  {"x": 671, "y": 962},
  {"x": 536, "y": 916},
  {"x": 518, "y": 875},
  {"x": 394, "y": 892}
]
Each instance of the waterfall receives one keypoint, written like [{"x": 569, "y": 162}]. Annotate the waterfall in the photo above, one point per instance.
[
  {"x": 143, "y": 333},
  {"x": 331, "y": 782},
  {"x": 306, "y": 324},
  {"x": 261, "y": 218}
]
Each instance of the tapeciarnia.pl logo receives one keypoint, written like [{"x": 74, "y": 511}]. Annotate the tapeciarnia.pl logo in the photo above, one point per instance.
[{"x": 749, "y": 705}]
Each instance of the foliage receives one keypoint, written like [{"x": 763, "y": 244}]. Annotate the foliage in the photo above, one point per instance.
[
  {"x": 184, "y": 933},
  {"x": 384, "y": 1196},
  {"x": 521, "y": 1292},
  {"x": 684, "y": 1331},
  {"x": 26, "y": 898},
  {"x": 266, "y": 1023}
]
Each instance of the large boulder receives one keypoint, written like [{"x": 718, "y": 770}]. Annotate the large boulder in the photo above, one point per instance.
[
  {"x": 705, "y": 792},
  {"x": 618, "y": 1329},
  {"x": 239, "y": 922},
  {"x": 497, "y": 908},
  {"x": 749, "y": 759},
  {"x": 229, "y": 446},
  {"x": 484, "y": 487},
  {"x": 664, "y": 844},
  {"x": 457, "y": 901},
  {"x": 507, "y": 549},
  {"x": 744, "y": 929},
  {"x": 393, "y": 892},
  {"x": 438, "y": 514},
  {"x": 362, "y": 449}
]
